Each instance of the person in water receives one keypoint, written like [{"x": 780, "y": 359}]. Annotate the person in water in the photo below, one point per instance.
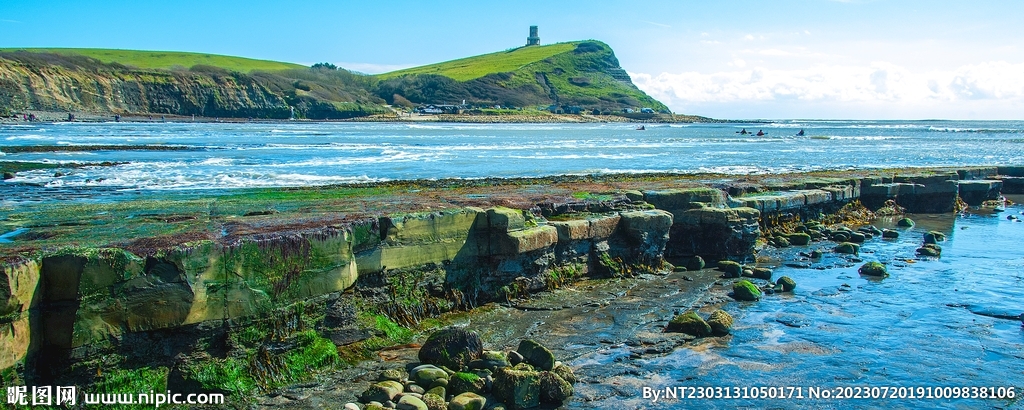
[
  {"x": 800, "y": 134},
  {"x": 742, "y": 132},
  {"x": 760, "y": 133}
]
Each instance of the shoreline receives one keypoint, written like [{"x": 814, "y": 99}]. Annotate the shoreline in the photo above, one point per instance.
[{"x": 539, "y": 117}]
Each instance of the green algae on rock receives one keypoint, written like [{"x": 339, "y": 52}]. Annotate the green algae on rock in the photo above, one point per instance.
[
  {"x": 745, "y": 291},
  {"x": 873, "y": 269},
  {"x": 847, "y": 248},
  {"x": 720, "y": 322},
  {"x": 690, "y": 323},
  {"x": 732, "y": 269},
  {"x": 785, "y": 284}
]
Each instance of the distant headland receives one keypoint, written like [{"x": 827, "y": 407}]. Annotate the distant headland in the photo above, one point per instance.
[{"x": 577, "y": 81}]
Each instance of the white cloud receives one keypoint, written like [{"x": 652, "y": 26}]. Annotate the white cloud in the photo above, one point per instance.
[
  {"x": 657, "y": 24},
  {"x": 992, "y": 83},
  {"x": 748, "y": 37}
]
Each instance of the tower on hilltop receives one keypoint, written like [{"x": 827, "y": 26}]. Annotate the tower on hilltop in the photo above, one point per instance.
[{"x": 533, "y": 39}]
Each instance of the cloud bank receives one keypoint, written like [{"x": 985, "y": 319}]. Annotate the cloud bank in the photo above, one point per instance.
[{"x": 991, "y": 84}]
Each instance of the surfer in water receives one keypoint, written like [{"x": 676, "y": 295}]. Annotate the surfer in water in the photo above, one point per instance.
[
  {"x": 641, "y": 128},
  {"x": 742, "y": 132},
  {"x": 800, "y": 134},
  {"x": 760, "y": 133}
]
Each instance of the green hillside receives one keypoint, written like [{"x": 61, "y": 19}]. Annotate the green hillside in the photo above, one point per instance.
[
  {"x": 165, "y": 60},
  {"x": 470, "y": 68},
  {"x": 584, "y": 74}
]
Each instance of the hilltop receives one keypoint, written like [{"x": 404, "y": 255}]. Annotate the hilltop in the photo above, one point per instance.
[
  {"x": 580, "y": 73},
  {"x": 573, "y": 77},
  {"x": 164, "y": 60}
]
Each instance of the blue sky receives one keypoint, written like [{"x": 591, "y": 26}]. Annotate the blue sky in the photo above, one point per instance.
[{"x": 725, "y": 59}]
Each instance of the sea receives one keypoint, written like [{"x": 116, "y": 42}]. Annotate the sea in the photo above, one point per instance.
[
  {"x": 934, "y": 323},
  {"x": 188, "y": 156}
]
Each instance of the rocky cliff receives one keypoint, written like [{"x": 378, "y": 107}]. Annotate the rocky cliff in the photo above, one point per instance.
[{"x": 53, "y": 82}]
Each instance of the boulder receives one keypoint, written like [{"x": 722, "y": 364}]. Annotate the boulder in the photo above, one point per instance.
[
  {"x": 934, "y": 237},
  {"x": 427, "y": 375},
  {"x": 857, "y": 237},
  {"x": 930, "y": 250},
  {"x": 731, "y": 269},
  {"x": 745, "y": 291},
  {"x": 435, "y": 402},
  {"x": 515, "y": 358},
  {"x": 490, "y": 360},
  {"x": 799, "y": 239},
  {"x": 565, "y": 372},
  {"x": 786, "y": 284},
  {"x": 536, "y": 355},
  {"x": 467, "y": 401},
  {"x": 780, "y": 242},
  {"x": 762, "y": 273},
  {"x": 382, "y": 391},
  {"x": 817, "y": 254},
  {"x": 453, "y": 348},
  {"x": 905, "y": 222},
  {"x": 847, "y": 248},
  {"x": 391, "y": 374},
  {"x": 690, "y": 323},
  {"x": 873, "y": 269},
  {"x": 695, "y": 263},
  {"x": 408, "y": 402},
  {"x": 554, "y": 389},
  {"x": 720, "y": 322},
  {"x": 890, "y": 234},
  {"x": 439, "y": 391},
  {"x": 516, "y": 388},
  {"x": 466, "y": 383}
]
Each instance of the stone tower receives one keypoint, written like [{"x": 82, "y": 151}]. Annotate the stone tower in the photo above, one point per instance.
[{"x": 533, "y": 39}]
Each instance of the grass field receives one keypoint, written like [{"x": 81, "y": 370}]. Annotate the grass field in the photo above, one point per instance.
[
  {"x": 465, "y": 69},
  {"x": 167, "y": 59}
]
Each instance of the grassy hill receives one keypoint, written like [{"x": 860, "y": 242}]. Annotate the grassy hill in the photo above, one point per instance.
[
  {"x": 470, "y": 68},
  {"x": 579, "y": 73},
  {"x": 165, "y": 60}
]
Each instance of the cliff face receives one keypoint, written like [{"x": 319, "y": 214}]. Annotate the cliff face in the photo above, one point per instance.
[{"x": 67, "y": 83}]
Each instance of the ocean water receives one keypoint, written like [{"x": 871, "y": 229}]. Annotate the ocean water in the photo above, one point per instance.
[{"x": 233, "y": 155}]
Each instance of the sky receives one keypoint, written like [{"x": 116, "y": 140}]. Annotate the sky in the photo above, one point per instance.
[{"x": 852, "y": 59}]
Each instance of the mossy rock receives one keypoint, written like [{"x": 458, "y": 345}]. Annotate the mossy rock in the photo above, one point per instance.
[
  {"x": 780, "y": 242},
  {"x": 554, "y": 389},
  {"x": 840, "y": 236},
  {"x": 517, "y": 389},
  {"x": 453, "y": 348},
  {"x": 466, "y": 383},
  {"x": 857, "y": 237},
  {"x": 873, "y": 269},
  {"x": 848, "y": 248},
  {"x": 467, "y": 401},
  {"x": 731, "y": 269},
  {"x": 439, "y": 391},
  {"x": 695, "y": 263},
  {"x": 890, "y": 234},
  {"x": 761, "y": 273},
  {"x": 817, "y": 254},
  {"x": 565, "y": 372},
  {"x": 391, "y": 374},
  {"x": 745, "y": 291},
  {"x": 799, "y": 239},
  {"x": 930, "y": 250},
  {"x": 933, "y": 237},
  {"x": 434, "y": 402},
  {"x": 690, "y": 323},
  {"x": 536, "y": 355},
  {"x": 720, "y": 322},
  {"x": 490, "y": 360},
  {"x": 785, "y": 284},
  {"x": 905, "y": 222}
]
